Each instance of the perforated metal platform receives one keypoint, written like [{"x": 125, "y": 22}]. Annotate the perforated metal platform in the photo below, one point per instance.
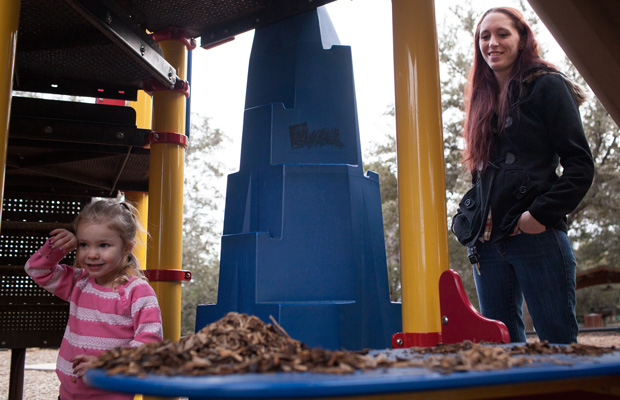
[
  {"x": 29, "y": 315},
  {"x": 27, "y": 221}
]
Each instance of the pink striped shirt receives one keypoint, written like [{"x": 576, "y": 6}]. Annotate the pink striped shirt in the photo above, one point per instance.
[{"x": 100, "y": 318}]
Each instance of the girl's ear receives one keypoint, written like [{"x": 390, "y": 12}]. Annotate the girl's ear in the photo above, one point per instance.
[{"x": 129, "y": 247}]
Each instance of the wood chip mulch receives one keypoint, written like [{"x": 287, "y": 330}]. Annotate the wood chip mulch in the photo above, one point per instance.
[{"x": 239, "y": 343}]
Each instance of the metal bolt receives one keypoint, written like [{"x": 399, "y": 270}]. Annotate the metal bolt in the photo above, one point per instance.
[
  {"x": 170, "y": 75},
  {"x": 120, "y": 135},
  {"x": 399, "y": 341},
  {"x": 444, "y": 320},
  {"x": 108, "y": 18},
  {"x": 48, "y": 129},
  {"x": 157, "y": 136},
  {"x": 188, "y": 275},
  {"x": 142, "y": 50}
]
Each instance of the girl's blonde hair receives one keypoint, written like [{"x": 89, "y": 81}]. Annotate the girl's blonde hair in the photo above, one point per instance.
[{"x": 120, "y": 217}]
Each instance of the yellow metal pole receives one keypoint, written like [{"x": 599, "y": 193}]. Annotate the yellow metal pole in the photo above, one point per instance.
[
  {"x": 9, "y": 23},
  {"x": 140, "y": 200},
  {"x": 143, "y": 107},
  {"x": 421, "y": 171},
  {"x": 144, "y": 110},
  {"x": 165, "y": 215}
]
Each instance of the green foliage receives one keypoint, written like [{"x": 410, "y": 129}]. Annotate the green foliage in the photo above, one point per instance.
[
  {"x": 384, "y": 164},
  {"x": 595, "y": 224},
  {"x": 602, "y": 299},
  {"x": 201, "y": 224}
]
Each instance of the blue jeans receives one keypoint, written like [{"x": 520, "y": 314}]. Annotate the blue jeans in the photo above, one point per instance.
[{"x": 539, "y": 267}]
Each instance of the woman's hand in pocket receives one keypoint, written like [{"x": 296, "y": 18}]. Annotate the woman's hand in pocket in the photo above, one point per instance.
[{"x": 528, "y": 224}]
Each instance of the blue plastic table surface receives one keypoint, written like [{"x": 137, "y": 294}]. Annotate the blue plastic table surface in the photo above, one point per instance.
[{"x": 380, "y": 381}]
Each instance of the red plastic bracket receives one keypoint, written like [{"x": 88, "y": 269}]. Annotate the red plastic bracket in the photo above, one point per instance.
[
  {"x": 167, "y": 137},
  {"x": 152, "y": 85},
  {"x": 177, "y": 34},
  {"x": 169, "y": 275},
  {"x": 111, "y": 102},
  {"x": 460, "y": 320},
  {"x": 403, "y": 340}
]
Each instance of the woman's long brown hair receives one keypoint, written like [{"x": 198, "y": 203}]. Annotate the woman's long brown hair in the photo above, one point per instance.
[{"x": 482, "y": 91}]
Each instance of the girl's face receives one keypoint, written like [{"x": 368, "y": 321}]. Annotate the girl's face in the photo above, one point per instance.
[
  {"x": 100, "y": 251},
  {"x": 499, "y": 43}
]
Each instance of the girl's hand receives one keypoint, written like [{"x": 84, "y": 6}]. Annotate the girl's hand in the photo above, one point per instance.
[
  {"x": 81, "y": 363},
  {"x": 528, "y": 224},
  {"x": 63, "y": 239}
]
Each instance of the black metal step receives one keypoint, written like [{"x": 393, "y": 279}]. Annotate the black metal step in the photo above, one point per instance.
[{"x": 78, "y": 149}]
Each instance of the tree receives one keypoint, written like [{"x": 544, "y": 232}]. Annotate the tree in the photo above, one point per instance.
[
  {"x": 454, "y": 39},
  {"x": 202, "y": 224},
  {"x": 595, "y": 224},
  {"x": 384, "y": 164}
]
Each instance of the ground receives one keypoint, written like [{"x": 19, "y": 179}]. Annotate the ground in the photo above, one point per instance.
[{"x": 41, "y": 383}]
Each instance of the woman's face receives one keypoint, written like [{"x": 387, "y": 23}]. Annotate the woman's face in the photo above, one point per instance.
[{"x": 499, "y": 43}]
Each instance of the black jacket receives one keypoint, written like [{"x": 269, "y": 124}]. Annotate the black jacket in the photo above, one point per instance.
[{"x": 543, "y": 129}]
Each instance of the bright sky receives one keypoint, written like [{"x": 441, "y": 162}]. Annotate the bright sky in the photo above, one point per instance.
[{"x": 219, "y": 75}]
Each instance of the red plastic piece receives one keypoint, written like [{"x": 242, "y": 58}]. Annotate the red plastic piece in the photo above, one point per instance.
[
  {"x": 111, "y": 102},
  {"x": 460, "y": 320},
  {"x": 152, "y": 85},
  {"x": 167, "y": 137},
  {"x": 406, "y": 339},
  {"x": 171, "y": 275},
  {"x": 177, "y": 34}
]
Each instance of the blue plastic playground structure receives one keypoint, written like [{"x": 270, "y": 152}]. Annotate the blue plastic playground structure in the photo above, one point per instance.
[{"x": 303, "y": 230}]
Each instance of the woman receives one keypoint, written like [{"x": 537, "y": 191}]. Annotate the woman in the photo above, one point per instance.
[{"x": 522, "y": 119}]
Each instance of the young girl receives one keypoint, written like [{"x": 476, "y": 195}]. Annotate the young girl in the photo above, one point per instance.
[
  {"x": 111, "y": 303},
  {"x": 522, "y": 121}
]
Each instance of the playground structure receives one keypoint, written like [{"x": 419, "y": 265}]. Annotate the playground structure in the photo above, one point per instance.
[{"x": 76, "y": 47}]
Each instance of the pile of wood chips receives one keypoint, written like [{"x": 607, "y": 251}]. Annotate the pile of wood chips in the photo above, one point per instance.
[
  {"x": 469, "y": 356},
  {"x": 239, "y": 343}
]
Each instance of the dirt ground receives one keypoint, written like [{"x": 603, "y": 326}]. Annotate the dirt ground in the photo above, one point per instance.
[{"x": 41, "y": 383}]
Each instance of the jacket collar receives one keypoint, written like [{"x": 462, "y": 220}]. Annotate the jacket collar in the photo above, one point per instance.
[{"x": 579, "y": 92}]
